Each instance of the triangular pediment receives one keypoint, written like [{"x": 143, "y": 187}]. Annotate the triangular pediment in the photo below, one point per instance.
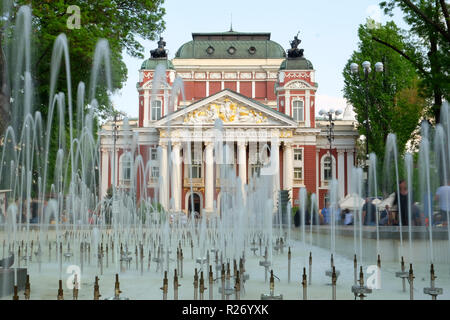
[{"x": 232, "y": 108}]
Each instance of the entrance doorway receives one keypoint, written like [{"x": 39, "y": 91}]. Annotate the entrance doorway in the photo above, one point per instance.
[{"x": 197, "y": 205}]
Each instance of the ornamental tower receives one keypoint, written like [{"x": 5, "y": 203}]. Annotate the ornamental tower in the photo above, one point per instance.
[
  {"x": 155, "y": 102},
  {"x": 296, "y": 88}
]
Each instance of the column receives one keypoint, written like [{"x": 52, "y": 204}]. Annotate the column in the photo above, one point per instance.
[
  {"x": 105, "y": 169},
  {"x": 209, "y": 177},
  {"x": 307, "y": 109},
  {"x": 349, "y": 171},
  {"x": 275, "y": 157},
  {"x": 288, "y": 168},
  {"x": 176, "y": 176},
  {"x": 164, "y": 185},
  {"x": 287, "y": 103},
  {"x": 341, "y": 173},
  {"x": 147, "y": 111},
  {"x": 242, "y": 162},
  {"x": 242, "y": 157}
]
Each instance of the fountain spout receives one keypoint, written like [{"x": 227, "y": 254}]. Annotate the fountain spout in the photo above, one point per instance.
[
  {"x": 432, "y": 290},
  {"x": 27, "y": 288},
  {"x": 304, "y": 284},
  {"x": 411, "y": 282},
  {"x": 15, "y": 296},
  {"x": 402, "y": 274},
  {"x": 60, "y": 291},
  {"x": 202, "y": 286},
  {"x": 175, "y": 285},
  {"x": 360, "y": 290},
  {"x": 289, "y": 265},
  {"x": 165, "y": 286},
  {"x": 333, "y": 283},
  {"x": 195, "y": 285},
  {"x": 211, "y": 282},
  {"x": 271, "y": 295},
  {"x": 97, "y": 294},
  {"x": 237, "y": 286}
]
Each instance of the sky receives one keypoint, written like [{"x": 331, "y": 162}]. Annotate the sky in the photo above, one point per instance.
[{"x": 328, "y": 30}]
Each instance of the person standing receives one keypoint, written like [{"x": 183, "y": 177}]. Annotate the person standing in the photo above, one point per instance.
[
  {"x": 368, "y": 213},
  {"x": 403, "y": 204},
  {"x": 326, "y": 214}
]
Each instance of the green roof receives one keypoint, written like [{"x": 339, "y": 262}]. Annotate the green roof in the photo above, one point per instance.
[
  {"x": 230, "y": 45},
  {"x": 151, "y": 63},
  {"x": 296, "y": 64}
]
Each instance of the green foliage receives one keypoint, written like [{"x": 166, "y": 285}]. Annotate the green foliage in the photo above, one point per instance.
[
  {"x": 393, "y": 99},
  {"x": 429, "y": 46},
  {"x": 120, "y": 22}
]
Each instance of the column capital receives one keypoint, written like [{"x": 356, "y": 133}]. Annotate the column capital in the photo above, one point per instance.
[
  {"x": 241, "y": 143},
  {"x": 287, "y": 145},
  {"x": 209, "y": 144},
  {"x": 176, "y": 144}
]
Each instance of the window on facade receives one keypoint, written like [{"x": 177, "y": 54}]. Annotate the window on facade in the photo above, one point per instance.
[
  {"x": 196, "y": 159},
  {"x": 298, "y": 154},
  {"x": 155, "y": 172},
  {"x": 298, "y": 173},
  {"x": 196, "y": 171},
  {"x": 156, "y": 110},
  {"x": 327, "y": 168},
  {"x": 153, "y": 154},
  {"x": 126, "y": 168},
  {"x": 297, "y": 108}
]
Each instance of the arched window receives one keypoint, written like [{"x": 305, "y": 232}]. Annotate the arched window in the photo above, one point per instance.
[
  {"x": 125, "y": 167},
  {"x": 156, "y": 110},
  {"x": 328, "y": 168},
  {"x": 297, "y": 110}
]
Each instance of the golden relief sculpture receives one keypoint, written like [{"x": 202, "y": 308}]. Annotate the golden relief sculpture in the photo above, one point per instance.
[
  {"x": 286, "y": 134},
  {"x": 226, "y": 110}
]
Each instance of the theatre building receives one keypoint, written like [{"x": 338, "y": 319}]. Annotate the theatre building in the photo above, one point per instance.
[{"x": 263, "y": 95}]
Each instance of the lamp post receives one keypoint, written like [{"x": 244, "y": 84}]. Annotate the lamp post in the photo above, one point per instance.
[
  {"x": 354, "y": 69},
  {"x": 328, "y": 115}
]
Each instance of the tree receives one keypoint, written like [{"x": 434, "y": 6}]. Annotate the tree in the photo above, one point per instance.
[
  {"x": 429, "y": 41},
  {"x": 391, "y": 99},
  {"x": 120, "y": 22}
]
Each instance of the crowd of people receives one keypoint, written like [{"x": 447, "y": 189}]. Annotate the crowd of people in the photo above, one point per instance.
[{"x": 395, "y": 215}]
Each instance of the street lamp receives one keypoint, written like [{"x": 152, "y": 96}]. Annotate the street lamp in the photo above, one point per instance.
[
  {"x": 330, "y": 131},
  {"x": 354, "y": 69}
]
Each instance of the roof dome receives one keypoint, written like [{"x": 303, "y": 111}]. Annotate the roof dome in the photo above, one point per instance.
[
  {"x": 296, "y": 64},
  {"x": 230, "y": 45},
  {"x": 151, "y": 63}
]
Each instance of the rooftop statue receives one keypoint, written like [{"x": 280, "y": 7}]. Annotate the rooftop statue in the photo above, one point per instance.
[
  {"x": 294, "y": 52},
  {"x": 160, "y": 52}
]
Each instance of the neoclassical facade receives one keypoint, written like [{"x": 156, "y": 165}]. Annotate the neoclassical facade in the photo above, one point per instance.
[{"x": 265, "y": 100}]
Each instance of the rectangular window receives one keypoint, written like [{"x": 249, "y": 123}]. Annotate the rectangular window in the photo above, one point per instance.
[
  {"x": 327, "y": 168},
  {"x": 156, "y": 110},
  {"x": 155, "y": 172},
  {"x": 196, "y": 171},
  {"x": 297, "y": 108},
  {"x": 298, "y": 173},
  {"x": 126, "y": 169},
  {"x": 153, "y": 154},
  {"x": 298, "y": 154}
]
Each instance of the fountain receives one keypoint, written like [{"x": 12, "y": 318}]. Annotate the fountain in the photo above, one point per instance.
[
  {"x": 271, "y": 295},
  {"x": 245, "y": 228}
]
